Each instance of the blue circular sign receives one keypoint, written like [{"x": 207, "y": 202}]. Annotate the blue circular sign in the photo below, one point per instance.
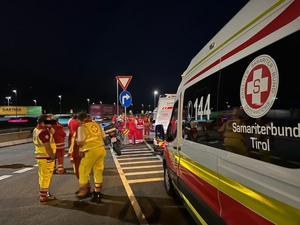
[{"x": 125, "y": 98}]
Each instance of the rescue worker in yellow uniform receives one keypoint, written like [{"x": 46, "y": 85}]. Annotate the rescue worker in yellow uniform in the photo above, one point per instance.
[
  {"x": 90, "y": 138},
  {"x": 45, "y": 149}
]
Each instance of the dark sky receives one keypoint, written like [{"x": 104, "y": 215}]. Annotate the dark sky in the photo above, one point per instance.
[{"x": 77, "y": 48}]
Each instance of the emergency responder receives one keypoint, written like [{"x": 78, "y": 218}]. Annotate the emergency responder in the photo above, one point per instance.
[
  {"x": 139, "y": 129},
  {"x": 131, "y": 126},
  {"x": 114, "y": 118},
  {"x": 90, "y": 138},
  {"x": 59, "y": 139},
  {"x": 45, "y": 154},
  {"x": 72, "y": 125},
  {"x": 146, "y": 122}
]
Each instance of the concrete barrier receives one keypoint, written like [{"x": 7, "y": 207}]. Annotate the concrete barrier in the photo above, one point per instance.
[{"x": 15, "y": 138}]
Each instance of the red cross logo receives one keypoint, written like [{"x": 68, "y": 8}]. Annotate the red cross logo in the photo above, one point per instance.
[{"x": 258, "y": 86}]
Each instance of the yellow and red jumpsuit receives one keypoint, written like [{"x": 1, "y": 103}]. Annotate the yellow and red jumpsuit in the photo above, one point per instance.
[
  {"x": 45, "y": 169},
  {"x": 94, "y": 152}
]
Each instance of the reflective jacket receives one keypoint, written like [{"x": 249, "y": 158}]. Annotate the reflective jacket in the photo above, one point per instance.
[
  {"x": 40, "y": 150},
  {"x": 94, "y": 135}
]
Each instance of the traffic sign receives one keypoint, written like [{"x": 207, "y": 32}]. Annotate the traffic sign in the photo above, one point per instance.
[
  {"x": 124, "y": 81},
  {"x": 125, "y": 98}
]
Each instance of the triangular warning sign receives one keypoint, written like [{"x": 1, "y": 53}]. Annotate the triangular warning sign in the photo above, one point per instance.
[{"x": 124, "y": 81}]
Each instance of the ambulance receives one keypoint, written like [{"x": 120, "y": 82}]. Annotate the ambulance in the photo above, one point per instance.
[
  {"x": 242, "y": 89},
  {"x": 163, "y": 115}
]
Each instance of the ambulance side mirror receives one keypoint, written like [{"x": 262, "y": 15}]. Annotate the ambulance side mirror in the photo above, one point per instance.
[{"x": 159, "y": 132}]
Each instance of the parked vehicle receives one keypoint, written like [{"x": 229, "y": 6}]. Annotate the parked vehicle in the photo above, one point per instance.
[
  {"x": 163, "y": 115},
  {"x": 241, "y": 167},
  {"x": 104, "y": 111}
]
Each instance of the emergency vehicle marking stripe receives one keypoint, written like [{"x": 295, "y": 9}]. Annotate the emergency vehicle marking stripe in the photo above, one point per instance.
[
  {"x": 5, "y": 176},
  {"x": 277, "y": 23},
  {"x": 244, "y": 198}
]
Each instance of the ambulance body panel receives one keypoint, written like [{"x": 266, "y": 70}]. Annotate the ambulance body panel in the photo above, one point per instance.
[
  {"x": 164, "y": 110},
  {"x": 240, "y": 163}
]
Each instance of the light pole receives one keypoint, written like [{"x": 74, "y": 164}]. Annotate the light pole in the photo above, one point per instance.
[
  {"x": 15, "y": 91},
  {"x": 59, "y": 105},
  {"x": 149, "y": 107},
  {"x": 34, "y": 102},
  {"x": 88, "y": 100},
  {"x": 154, "y": 105},
  {"x": 8, "y": 98}
]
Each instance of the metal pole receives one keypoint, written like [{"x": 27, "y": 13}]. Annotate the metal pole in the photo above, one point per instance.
[{"x": 117, "y": 98}]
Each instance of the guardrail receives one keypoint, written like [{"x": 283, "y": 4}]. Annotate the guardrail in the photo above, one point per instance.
[{"x": 15, "y": 138}]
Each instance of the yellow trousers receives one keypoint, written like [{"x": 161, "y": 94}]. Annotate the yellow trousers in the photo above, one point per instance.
[
  {"x": 93, "y": 159},
  {"x": 45, "y": 171}
]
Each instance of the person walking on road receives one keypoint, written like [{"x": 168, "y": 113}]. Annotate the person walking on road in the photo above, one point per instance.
[
  {"x": 45, "y": 149},
  {"x": 90, "y": 138},
  {"x": 139, "y": 129}
]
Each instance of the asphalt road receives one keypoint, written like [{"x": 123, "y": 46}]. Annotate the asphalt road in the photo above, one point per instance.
[{"x": 133, "y": 191}]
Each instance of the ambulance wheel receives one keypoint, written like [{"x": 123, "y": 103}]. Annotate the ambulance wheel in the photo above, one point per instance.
[
  {"x": 117, "y": 148},
  {"x": 168, "y": 183}
]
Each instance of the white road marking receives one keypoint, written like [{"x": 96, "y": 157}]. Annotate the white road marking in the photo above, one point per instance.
[
  {"x": 137, "y": 209},
  {"x": 149, "y": 157},
  {"x": 135, "y": 152},
  {"x": 145, "y": 180},
  {"x": 123, "y": 156},
  {"x": 5, "y": 176},
  {"x": 139, "y": 162},
  {"x": 134, "y": 149},
  {"x": 23, "y": 170},
  {"x": 140, "y": 167},
  {"x": 146, "y": 172}
]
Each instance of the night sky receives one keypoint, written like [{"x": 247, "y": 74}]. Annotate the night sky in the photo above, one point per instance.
[{"x": 77, "y": 48}]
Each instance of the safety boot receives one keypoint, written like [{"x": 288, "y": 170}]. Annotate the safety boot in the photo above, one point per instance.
[
  {"x": 45, "y": 196},
  {"x": 96, "y": 197},
  {"x": 84, "y": 191}
]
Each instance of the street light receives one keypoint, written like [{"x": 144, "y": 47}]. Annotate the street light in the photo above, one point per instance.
[
  {"x": 15, "y": 91},
  {"x": 155, "y": 93},
  {"x": 59, "y": 105},
  {"x": 8, "y": 98},
  {"x": 149, "y": 107},
  {"x": 88, "y": 100},
  {"x": 34, "y": 102}
]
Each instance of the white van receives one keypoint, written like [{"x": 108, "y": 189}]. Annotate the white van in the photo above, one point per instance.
[
  {"x": 164, "y": 111},
  {"x": 242, "y": 89}
]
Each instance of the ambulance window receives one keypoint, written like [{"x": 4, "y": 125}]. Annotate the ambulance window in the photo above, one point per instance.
[
  {"x": 172, "y": 127},
  {"x": 275, "y": 136},
  {"x": 200, "y": 115}
]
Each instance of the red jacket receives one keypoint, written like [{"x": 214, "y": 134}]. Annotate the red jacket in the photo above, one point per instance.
[
  {"x": 59, "y": 136},
  {"x": 73, "y": 124}
]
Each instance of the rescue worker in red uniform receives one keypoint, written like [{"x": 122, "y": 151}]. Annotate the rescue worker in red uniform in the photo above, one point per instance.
[
  {"x": 45, "y": 149},
  {"x": 59, "y": 139},
  {"x": 146, "y": 122},
  {"x": 90, "y": 138},
  {"x": 131, "y": 126},
  {"x": 139, "y": 129},
  {"x": 72, "y": 125},
  {"x": 114, "y": 118},
  {"x": 74, "y": 154}
]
